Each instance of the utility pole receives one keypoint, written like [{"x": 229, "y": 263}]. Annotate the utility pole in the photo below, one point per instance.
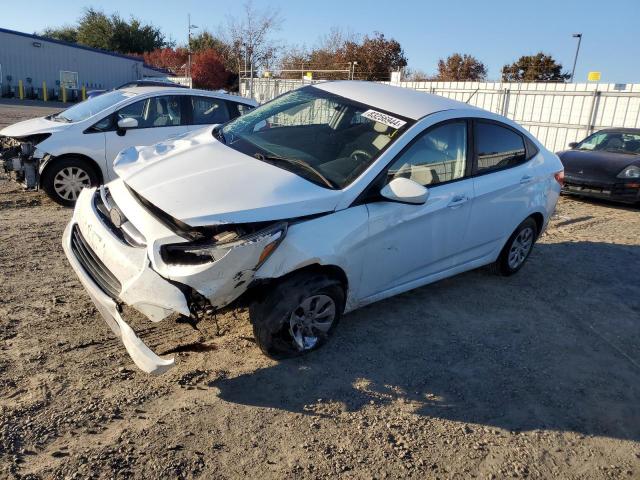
[
  {"x": 189, "y": 49},
  {"x": 575, "y": 60}
]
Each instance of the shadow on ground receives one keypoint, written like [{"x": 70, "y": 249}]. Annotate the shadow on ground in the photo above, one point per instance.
[{"x": 472, "y": 349}]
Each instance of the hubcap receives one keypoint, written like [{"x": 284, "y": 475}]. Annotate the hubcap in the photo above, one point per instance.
[
  {"x": 520, "y": 247},
  {"x": 69, "y": 182},
  {"x": 311, "y": 320}
]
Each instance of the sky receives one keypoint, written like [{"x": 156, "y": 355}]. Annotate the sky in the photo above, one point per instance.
[{"x": 495, "y": 32}]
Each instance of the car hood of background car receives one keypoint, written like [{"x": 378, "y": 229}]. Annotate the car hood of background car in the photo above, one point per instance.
[
  {"x": 200, "y": 181},
  {"x": 32, "y": 127},
  {"x": 596, "y": 164}
]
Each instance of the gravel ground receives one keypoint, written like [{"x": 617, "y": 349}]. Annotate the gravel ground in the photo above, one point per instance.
[{"x": 532, "y": 376}]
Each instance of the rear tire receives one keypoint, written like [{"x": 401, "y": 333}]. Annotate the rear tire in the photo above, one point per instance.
[
  {"x": 517, "y": 249},
  {"x": 64, "y": 179},
  {"x": 297, "y": 315}
]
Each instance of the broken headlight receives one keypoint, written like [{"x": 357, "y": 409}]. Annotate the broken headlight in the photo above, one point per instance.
[{"x": 197, "y": 253}]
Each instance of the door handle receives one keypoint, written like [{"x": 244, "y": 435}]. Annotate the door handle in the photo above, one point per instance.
[
  {"x": 526, "y": 179},
  {"x": 457, "y": 201}
]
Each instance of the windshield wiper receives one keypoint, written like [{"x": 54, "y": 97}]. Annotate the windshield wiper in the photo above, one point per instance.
[
  {"x": 63, "y": 118},
  {"x": 299, "y": 163}
]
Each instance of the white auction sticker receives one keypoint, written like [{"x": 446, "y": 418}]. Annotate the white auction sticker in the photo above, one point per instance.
[{"x": 380, "y": 117}]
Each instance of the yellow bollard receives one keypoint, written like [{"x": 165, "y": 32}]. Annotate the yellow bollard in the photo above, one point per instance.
[
  {"x": 20, "y": 90},
  {"x": 64, "y": 94},
  {"x": 45, "y": 94},
  {"x": 84, "y": 92}
]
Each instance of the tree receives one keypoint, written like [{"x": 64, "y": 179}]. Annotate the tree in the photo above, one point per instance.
[
  {"x": 250, "y": 37},
  {"x": 417, "y": 76},
  {"x": 208, "y": 70},
  {"x": 206, "y": 40},
  {"x": 98, "y": 30},
  {"x": 172, "y": 59},
  {"x": 66, "y": 33},
  {"x": 459, "y": 68},
  {"x": 534, "y": 68},
  {"x": 376, "y": 57}
]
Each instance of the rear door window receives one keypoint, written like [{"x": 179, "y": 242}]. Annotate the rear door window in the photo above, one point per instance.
[
  {"x": 497, "y": 147},
  {"x": 208, "y": 110}
]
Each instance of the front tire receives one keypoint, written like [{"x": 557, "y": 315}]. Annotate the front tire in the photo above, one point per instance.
[
  {"x": 517, "y": 249},
  {"x": 297, "y": 315},
  {"x": 65, "y": 178}
]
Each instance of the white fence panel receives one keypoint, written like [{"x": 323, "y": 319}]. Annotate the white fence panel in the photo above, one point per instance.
[{"x": 555, "y": 113}]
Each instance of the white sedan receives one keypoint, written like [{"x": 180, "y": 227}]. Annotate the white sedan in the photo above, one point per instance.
[
  {"x": 75, "y": 148},
  {"x": 321, "y": 201}
]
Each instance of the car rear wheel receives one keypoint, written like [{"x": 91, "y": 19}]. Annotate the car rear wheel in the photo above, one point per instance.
[
  {"x": 64, "y": 179},
  {"x": 517, "y": 249},
  {"x": 297, "y": 315}
]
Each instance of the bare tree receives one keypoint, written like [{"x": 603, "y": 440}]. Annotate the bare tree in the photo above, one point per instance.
[{"x": 250, "y": 37}]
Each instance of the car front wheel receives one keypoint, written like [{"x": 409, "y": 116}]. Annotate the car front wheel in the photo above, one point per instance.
[
  {"x": 297, "y": 315},
  {"x": 64, "y": 179}
]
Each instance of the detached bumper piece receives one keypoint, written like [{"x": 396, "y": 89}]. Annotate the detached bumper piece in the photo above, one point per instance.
[{"x": 103, "y": 288}]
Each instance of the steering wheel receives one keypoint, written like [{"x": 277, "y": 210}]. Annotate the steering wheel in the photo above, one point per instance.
[{"x": 360, "y": 155}]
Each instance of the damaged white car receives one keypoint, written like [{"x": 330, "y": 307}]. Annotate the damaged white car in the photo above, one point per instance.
[
  {"x": 74, "y": 149},
  {"x": 325, "y": 199}
]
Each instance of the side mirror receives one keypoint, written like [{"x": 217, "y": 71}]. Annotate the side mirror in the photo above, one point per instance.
[
  {"x": 573, "y": 144},
  {"x": 127, "y": 123},
  {"x": 404, "y": 190}
]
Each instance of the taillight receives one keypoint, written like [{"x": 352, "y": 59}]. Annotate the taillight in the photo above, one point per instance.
[{"x": 559, "y": 176}]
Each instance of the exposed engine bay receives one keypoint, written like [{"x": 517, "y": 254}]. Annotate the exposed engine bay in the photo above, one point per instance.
[{"x": 21, "y": 159}]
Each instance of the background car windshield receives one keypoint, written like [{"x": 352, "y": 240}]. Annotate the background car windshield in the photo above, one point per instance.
[
  {"x": 90, "y": 107},
  {"x": 325, "y": 135},
  {"x": 613, "y": 142}
]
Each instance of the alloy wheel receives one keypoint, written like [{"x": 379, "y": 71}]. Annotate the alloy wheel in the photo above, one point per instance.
[
  {"x": 520, "y": 248},
  {"x": 311, "y": 320}
]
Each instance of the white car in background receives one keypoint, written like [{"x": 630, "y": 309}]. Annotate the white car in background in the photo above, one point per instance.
[
  {"x": 321, "y": 201},
  {"x": 75, "y": 148}
]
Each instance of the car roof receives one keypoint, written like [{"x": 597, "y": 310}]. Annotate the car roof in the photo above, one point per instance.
[
  {"x": 406, "y": 102},
  {"x": 186, "y": 91}
]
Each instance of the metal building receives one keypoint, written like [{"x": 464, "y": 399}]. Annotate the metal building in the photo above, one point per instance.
[{"x": 34, "y": 60}]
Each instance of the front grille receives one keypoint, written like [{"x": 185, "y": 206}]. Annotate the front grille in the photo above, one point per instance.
[{"x": 93, "y": 266}]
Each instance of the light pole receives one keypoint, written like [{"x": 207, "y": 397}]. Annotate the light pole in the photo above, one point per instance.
[
  {"x": 575, "y": 60},
  {"x": 189, "y": 48}
]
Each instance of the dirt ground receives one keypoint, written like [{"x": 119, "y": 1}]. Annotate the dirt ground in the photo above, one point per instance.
[{"x": 532, "y": 376}]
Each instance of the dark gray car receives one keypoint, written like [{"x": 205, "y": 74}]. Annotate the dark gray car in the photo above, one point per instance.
[{"x": 605, "y": 165}]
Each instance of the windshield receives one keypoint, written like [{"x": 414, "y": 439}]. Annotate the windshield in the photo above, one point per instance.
[
  {"x": 612, "y": 142},
  {"x": 324, "y": 138},
  {"x": 90, "y": 107}
]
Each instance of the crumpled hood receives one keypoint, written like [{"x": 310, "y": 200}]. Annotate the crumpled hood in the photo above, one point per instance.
[
  {"x": 200, "y": 181},
  {"x": 32, "y": 127}
]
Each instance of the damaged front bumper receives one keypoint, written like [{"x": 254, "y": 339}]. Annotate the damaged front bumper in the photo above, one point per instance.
[
  {"x": 125, "y": 266},
  {"x": 123, "y": 276},
  {"x": 141, "y": 355}
]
